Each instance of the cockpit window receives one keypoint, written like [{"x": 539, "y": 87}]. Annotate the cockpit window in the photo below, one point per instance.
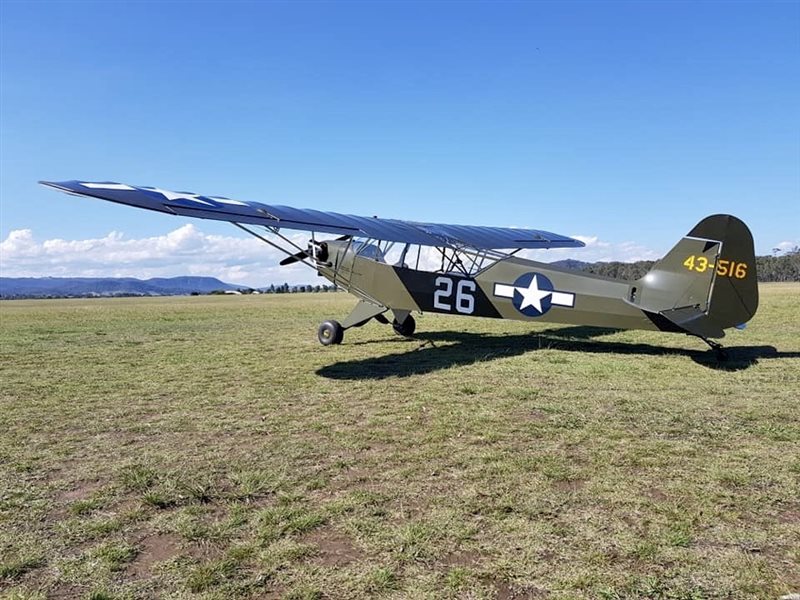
[{"x": 369, "y": 250}]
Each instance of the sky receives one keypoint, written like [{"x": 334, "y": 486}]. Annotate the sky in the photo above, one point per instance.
[{"x": 623, "y": 123}]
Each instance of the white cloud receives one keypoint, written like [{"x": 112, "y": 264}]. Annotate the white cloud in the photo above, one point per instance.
[
  {"x": 786, "y": 246},
  {"x": 19, "y": 242},
  {"x": 596, "y": 250}
]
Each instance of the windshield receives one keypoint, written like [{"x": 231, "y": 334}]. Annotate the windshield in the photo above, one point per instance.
[{"x": 368, "y": 250}]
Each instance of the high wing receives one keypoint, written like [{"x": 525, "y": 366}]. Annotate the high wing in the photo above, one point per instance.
[{"x": 285, "y": 217}]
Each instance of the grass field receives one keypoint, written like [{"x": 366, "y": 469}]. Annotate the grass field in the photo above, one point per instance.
[{"x": 209, "y": 447}]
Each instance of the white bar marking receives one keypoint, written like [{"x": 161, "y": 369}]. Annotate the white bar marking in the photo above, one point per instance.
[
  {"x": 504, "y": 291},
  {"x": 108, "y": 186},
  {"x": 229, "y": 201},
  {"x": 563, "y": 299}
]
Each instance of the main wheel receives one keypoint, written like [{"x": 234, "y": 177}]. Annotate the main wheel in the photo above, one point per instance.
[
  {"x": 406, "y": 328},
  {"x": 330, "y": 332}
]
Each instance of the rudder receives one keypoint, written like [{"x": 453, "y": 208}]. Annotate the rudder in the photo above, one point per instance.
[{"x": 734, "y": 299}]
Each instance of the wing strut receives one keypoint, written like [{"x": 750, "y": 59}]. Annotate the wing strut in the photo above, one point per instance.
[{"x": 276, "y": 246}]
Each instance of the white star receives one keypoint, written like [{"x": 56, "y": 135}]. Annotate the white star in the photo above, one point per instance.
[
  {"x": 178, "y": 195},
  {"x": 532, "y": 295}
]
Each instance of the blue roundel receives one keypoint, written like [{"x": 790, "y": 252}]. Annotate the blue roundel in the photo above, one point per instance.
[{"x": 533, "y": 294}]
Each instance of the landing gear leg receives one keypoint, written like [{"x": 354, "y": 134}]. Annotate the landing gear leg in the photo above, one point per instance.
[
  {"x": 722, "y": 355},
  {"x": 332, "y": 332}
]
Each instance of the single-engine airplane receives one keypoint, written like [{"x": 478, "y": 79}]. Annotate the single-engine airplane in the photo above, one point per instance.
[{"x": 704, "y": 285}]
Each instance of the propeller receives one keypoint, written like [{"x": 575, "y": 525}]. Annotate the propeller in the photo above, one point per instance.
[{"x": 316, "y": 250}]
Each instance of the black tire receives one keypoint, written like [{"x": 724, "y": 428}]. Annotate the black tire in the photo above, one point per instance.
[
  {"x": 330, "y": 332},
  {"x": 407, "y": 328}
]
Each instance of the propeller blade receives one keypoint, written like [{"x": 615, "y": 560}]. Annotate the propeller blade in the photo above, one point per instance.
[{"x": 297, "y": 257}]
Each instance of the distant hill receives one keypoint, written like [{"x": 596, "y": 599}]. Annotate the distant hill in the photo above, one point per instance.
[
  {"x": 571, "y": 263},
  {"x": 43, "y": 287}
]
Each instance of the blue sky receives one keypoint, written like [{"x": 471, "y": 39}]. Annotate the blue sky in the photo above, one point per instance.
[{"x": 622, "y": 122}]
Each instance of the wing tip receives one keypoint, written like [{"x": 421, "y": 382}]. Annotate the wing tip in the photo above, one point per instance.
[{"x": 59, "y": 185}]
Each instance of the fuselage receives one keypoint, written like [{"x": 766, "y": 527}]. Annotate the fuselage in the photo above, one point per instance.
[{"x": 510, "y": 288}]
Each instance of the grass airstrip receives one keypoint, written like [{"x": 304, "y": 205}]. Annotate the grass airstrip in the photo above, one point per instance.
[{"x": 209, "y": 447}]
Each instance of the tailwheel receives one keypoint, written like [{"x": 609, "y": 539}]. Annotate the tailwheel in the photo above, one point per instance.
[
  {"x": 406, "y": 328},
  {"x": 330, "y": 332}
]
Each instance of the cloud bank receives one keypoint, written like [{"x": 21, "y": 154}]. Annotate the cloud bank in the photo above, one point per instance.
[
  {"x": 183, "y": 251},
  {"x": 188, "y": 251}
]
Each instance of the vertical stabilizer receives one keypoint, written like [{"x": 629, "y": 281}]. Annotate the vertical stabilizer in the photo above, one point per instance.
[{"x": 707, "y": 282}]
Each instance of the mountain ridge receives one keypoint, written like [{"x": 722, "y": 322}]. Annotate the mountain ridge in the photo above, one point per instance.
[{"x": 42, "y": 287}]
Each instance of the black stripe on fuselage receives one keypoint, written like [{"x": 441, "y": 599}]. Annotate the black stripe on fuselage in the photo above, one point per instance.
[{"x": 423, "y": 286}]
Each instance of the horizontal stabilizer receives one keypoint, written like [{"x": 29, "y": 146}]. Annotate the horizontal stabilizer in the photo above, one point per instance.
[{"x": 694, "y": 321}]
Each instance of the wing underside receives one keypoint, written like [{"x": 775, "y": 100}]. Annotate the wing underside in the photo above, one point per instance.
[{"x": 285, "y": 217}]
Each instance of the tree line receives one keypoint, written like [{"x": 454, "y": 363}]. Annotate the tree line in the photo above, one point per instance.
[
  {"x": 287, "y": 289},
  {"x": 283, "y": 288}
]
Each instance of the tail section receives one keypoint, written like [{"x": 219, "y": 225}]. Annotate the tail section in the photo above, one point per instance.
[{"x": 706, "y": 283}]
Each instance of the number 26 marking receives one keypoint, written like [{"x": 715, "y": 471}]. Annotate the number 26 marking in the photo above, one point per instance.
[{"x": 465, "y": 301}]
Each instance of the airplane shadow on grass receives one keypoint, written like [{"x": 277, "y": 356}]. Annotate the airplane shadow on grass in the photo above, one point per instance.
[{"x": 470, "y": 348}]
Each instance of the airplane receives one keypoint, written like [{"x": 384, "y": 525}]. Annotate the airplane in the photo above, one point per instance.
[{"x": 705, "y": 284}]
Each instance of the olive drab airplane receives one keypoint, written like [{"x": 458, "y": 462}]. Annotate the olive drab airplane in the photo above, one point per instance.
[{"x": 704, "y": 285}]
